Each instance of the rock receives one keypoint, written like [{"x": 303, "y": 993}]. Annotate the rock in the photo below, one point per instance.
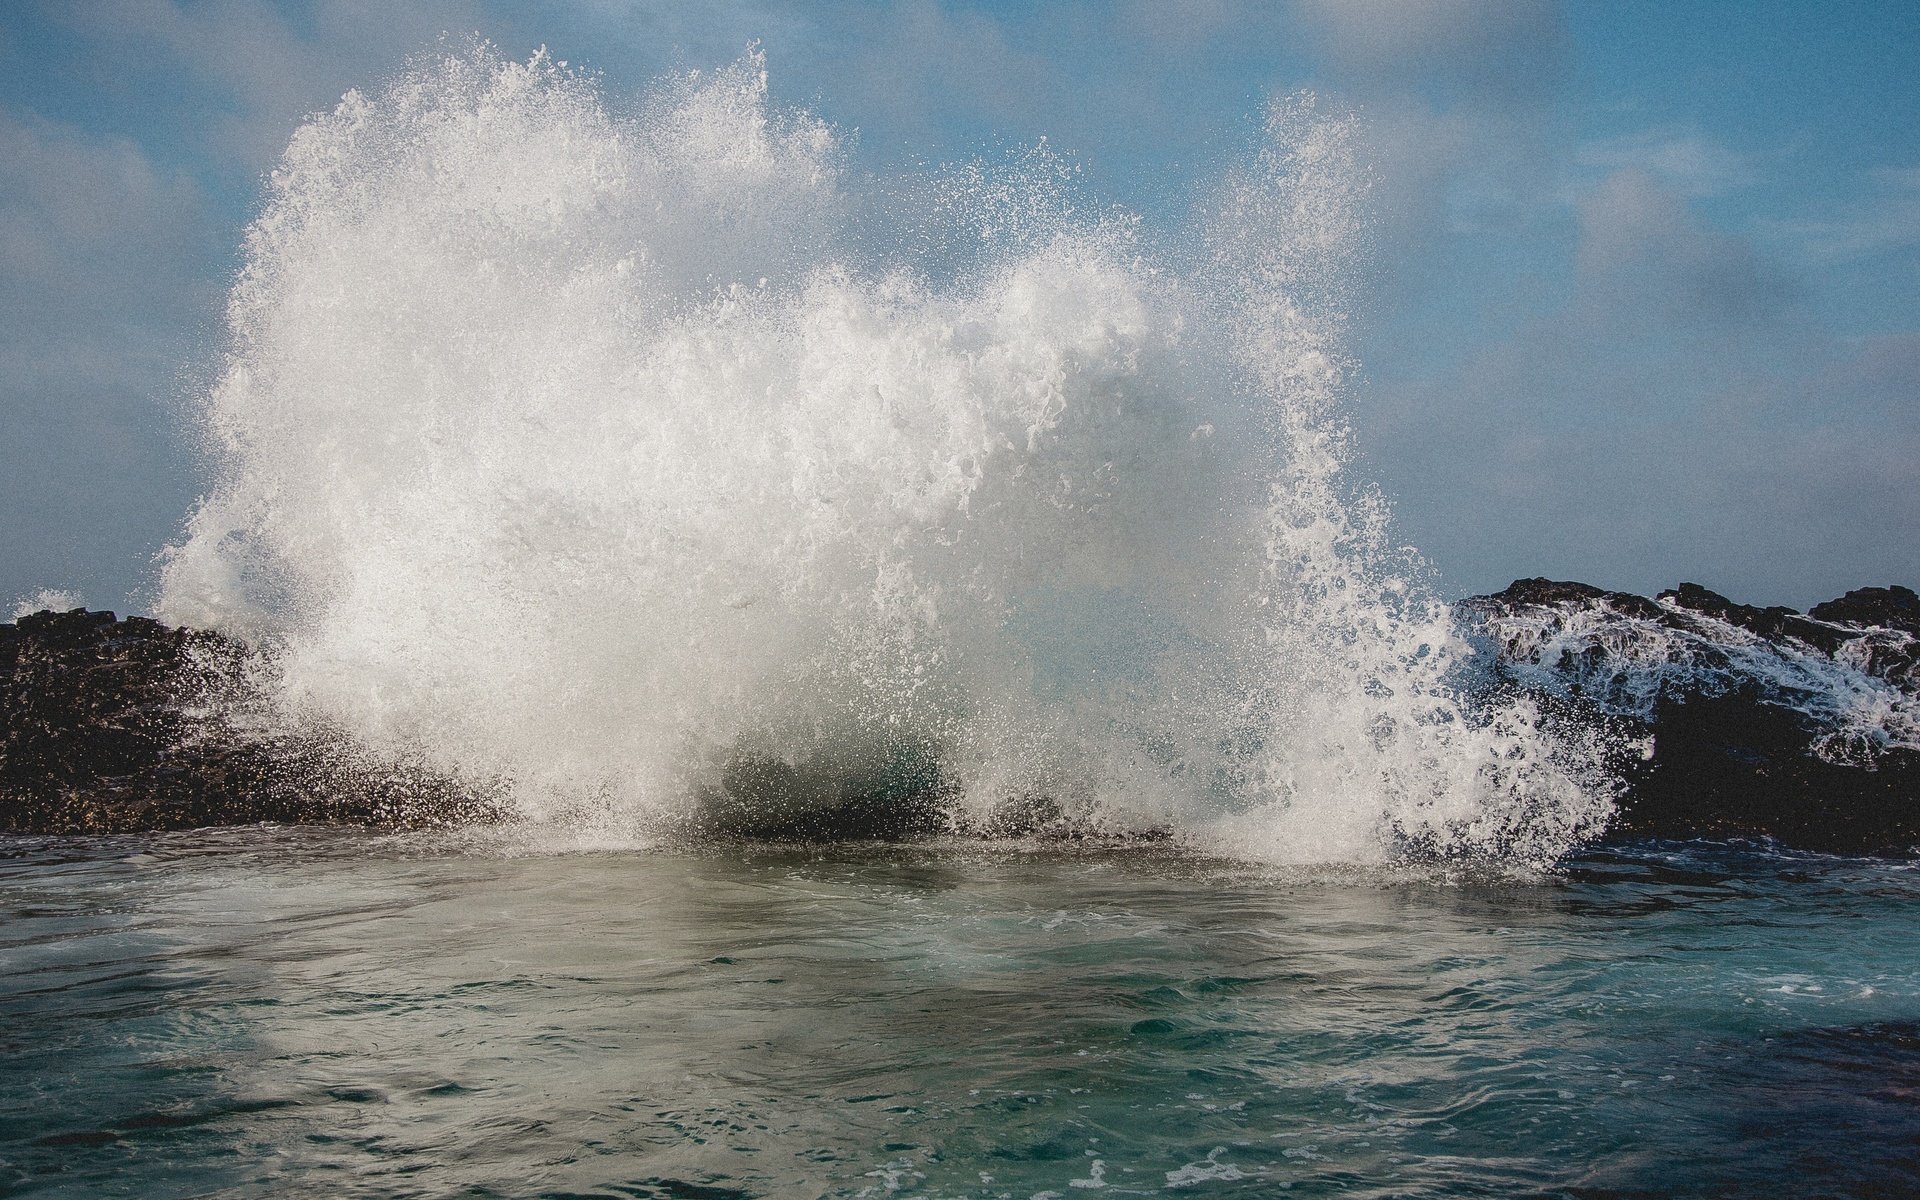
[
  {"x": 1763, "y": 722},
  {"x": 1736, "y": 766},
  {"x": 761, "y": 797},
  {"x": 1887, "y": 607},
  {"x": 1553, "y": 592},
  {"x": 1770, "y": 623},
  {"x": 111, "y": 726}
]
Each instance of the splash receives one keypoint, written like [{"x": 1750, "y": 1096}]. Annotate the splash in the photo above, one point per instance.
[
  {"x": 47, "y": 600},
  {"x": 653, "y": 468}
]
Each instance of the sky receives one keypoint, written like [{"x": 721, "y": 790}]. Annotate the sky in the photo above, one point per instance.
[{"x": 1641, "y": 304}]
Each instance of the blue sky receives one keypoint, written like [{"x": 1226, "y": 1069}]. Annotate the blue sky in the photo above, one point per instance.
[{"x": 1642, "y": 305}]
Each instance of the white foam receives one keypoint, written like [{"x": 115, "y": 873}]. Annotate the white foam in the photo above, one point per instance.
[
  {"x": 594, "y": 455},
  {"x": 1625, "y": 664}
]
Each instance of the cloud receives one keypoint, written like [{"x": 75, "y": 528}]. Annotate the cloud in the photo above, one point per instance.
[
  {"x": 1494, "y": 53},
  {"x": 1687, "y": 161},
  {"x": 1887, "y": 221},
  {"x": 104, "y": 265},
  {"x": 88, "y": 226},
  {"x": 1643, "y": 257},
  {"x": 1600, "y": 377},
  {"x": 925, "y": 69},
  {"x": 1461, "y": 103},
  {"x": 1187, "y": 26},
  {"x": 1676, "y": 415},
  {"x": 259, "y": 72}
]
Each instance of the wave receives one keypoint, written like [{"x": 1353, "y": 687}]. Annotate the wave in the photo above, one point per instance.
[{"x": 649, "y": 464}]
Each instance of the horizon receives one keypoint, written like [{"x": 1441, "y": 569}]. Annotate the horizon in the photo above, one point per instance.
[{"x": 1639, "y": 308}]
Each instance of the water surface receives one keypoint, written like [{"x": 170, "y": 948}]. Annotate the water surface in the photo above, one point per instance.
[{"x": 270, "y": 1012}]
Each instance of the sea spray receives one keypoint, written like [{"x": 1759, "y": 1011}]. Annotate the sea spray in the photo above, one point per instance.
[{"x": 647, "y": 467}]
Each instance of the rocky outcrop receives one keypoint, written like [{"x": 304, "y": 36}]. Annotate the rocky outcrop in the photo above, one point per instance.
[
  {"x": 1755, "y": 722},
  {"x": 111, "y": 726},
  {"x": 1888, "y": 607}
]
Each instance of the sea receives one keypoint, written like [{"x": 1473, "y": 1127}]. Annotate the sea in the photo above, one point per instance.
[
  {"x": 645, "y": 466},
  {"x": 273, "y": 1012}
]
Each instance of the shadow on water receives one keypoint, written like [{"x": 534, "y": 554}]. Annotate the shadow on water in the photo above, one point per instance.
[{"x": 1841, "y": 1105}]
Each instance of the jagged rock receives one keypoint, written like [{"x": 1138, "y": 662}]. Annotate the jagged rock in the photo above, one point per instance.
[
  {"x": 111, "y": 726},
  {"x": 767, "y": 798},
  {"x": 1887, "y": 607},
  {"x": 1770, "y": 623},
  {"x": 1763, "y": 722},
  {"x": 1554, "y": 592},
  {"x": 1736, "y": 766}
]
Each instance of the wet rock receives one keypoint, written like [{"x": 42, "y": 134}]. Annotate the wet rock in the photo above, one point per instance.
[
  {"x": 1759, "y": 722},
  {"x": 893, "y": 798},
  {"x": 1770, "y": 623},
  {"x": 1553, "y": 593},
  {"x": 110, "y": 726},
  {"x": 1887, "y": 607},
  {"x": 1735, "y": 765}
]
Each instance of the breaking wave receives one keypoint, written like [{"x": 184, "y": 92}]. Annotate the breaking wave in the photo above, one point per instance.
[{"x": 653, "y": 467}]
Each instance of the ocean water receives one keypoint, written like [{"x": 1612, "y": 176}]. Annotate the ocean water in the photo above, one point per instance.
[{"x": 324, "y": 1012}]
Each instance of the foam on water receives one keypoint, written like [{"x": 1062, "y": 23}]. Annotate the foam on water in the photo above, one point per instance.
[{"x": 649, "y": 464}]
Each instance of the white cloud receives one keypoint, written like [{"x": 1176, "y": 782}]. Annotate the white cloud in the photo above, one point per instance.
[
  {"x": 263, "y": 73},
  {"x": 925, "y": 65},
  {"x": 1505, "y": 52},
  {"x": 1186, "y": 25},
  {"x": 1886, "y": 221},
  {"x": 1460, "y": 102},
  {"x": 1678, "y": 415},
  {"x": 104, "y": 264},
  {"x": 92, "y": 233},
  {"x": 1635, "y": 407},
  {"x": 1644, "y": 256},
  {"x": 1687, "y": 161}
]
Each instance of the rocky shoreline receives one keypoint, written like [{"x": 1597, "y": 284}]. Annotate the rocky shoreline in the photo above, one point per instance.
[{"x": 1734, "y": 721}]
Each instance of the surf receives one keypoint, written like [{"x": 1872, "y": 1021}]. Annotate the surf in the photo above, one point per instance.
[{"x": 641, "y": 461}]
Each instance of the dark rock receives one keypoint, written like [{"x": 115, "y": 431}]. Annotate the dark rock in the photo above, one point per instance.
[
  {"x": 1540, "y": 590},
  {"x": 1887, "y": 607},
  {"x": 1554, "y": 592},
  {"x": 1750, "y": 736},
  {"x": 116, "y": 726},
  {"x": 1770, "y": 623},
  {"x": 1736, "y": 766},
  {"x": 896, "y": 797}
]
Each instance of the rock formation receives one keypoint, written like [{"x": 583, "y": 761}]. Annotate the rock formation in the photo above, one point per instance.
[
  {"x": 1758, "y": 722},
  {"x": 110, "y": 726}
]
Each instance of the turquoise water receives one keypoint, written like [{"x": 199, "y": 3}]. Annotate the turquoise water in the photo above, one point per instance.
[{"x": 285, "y": 1012}]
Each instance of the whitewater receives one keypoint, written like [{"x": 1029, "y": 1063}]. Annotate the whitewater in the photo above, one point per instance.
[{"x": 642, "y": 461}]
